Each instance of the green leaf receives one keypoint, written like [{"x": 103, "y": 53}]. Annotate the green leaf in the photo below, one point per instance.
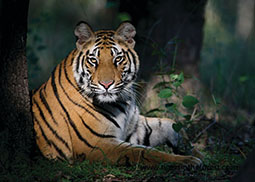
[
  {"x": 243, "y": 79},
  {"x": 177, "y": 126},
  {"x": 165, "y": 93},
  {"x": 176, "y": 79},
  {"x": 171, "y": 107},
  {"x": 189, "y": 101},
  {"x": 124, "y": 16},
  {"x": 187, "y": 117}
]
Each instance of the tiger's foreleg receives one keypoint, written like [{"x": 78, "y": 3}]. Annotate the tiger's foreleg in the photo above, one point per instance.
[
  {"x": 155, "y": 131},
  {"x": 117, "y": 151}
]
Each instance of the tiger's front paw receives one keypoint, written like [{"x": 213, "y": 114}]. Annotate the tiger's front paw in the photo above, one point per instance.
[{"x": 190, "y": 161}]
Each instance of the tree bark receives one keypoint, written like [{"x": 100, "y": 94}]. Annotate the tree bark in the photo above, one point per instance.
[{"x": 16, "y": 129}]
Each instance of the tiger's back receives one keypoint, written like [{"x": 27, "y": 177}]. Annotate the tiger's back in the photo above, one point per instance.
[{"x": 87, "y": 108}]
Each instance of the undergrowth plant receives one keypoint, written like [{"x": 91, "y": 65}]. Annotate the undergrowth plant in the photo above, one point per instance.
[{"x": 183, "y": 108}]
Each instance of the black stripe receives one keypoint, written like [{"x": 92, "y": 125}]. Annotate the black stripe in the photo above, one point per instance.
[
  {"x": 43, "y": 134},
  {"x": 71, "y": 61},
  {"x": 148, "y": 131},
  {"x": 60, "y": 152},
  {"x": 95, "y": 133},
  {"x": 107, "y": 32},
  {"x": 50, "y": 127},
  {"x": 82, "y": 64},
  {"x": 98, "y": 39},
  {"x": 111, "y": 39},
  {"x": 55, "y": 91},
  {"x": 103, "y": 108},
  {"x": 50, "y": 142},
  {"x": 106, "y": 114},
  {"x": 69, "y": 81},
  {"x": 133, "y": 132},
  {"x": 128, "y": 137},
  {"x": 78, "y": 62},
  {"x": 81, "y": 80},
  {"x": 134, "y": 59},
  {"x": 112, "y": 43},
  {"x": 97, "y": 44},
  {"x": 87, "y": 61},
  {"x": 109, "y": 118},
  {"x": 35, "y": 90},
  {"x": 81, "y": 106},
  {"x": 115, "y": 50},
  {"x": 106, "y": 43},
  {"x": 159, "y": 123},
  {"x": 45, "y": 103},
  {"x": 98, "y": 53},
  {"x": 44, "y": 89},
  {"x": 142, "y": 155},
  {"x": 130, "y": 62},
  {"x": 119, "y": 107}
]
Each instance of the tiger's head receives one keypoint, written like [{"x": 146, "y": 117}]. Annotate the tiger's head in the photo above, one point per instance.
[{"x": 106, "y": 64}]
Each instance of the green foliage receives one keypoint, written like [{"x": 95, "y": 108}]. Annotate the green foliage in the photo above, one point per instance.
[
  {"x": 168, "y": 89},
  {"x": 177, "y": 126},
  {"x": 218, "y": 165},
  {"x": 124, "y": 17},
  {"x": 165, "y": 93},
  {"x": 189, "y": 101},
  {"x": 227, "y": 65}
]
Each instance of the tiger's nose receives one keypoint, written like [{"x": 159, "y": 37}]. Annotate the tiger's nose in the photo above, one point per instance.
[{"x": 106, "y": 84}]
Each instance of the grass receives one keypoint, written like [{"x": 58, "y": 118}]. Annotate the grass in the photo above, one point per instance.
[{"x": 224, "y": 153}]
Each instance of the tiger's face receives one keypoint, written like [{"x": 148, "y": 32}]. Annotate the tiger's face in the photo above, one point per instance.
[{"x": 106, "y": 65}]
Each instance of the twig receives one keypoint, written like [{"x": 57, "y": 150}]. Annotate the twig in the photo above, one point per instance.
[
  {"x": 204, "y": 130},
  {"x": 193, "y": 113},
  {"x": 244, "y": 156}
]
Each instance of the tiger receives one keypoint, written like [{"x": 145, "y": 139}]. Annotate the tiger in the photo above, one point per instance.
[{"x": 87, "y": 109}]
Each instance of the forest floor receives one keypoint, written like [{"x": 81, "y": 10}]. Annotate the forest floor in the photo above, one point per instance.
[{"x": 226, "y": 146}]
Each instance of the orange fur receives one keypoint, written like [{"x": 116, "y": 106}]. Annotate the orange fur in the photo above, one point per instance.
[{"x": 68, "y": 125}]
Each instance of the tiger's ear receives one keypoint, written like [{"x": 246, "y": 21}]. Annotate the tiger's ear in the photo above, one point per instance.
[
  {"x": 126, "y": 31},
  {"x": 83, "y": 33}
]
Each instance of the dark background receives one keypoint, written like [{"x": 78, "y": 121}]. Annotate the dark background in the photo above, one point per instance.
[{"x": 211, "y": 39}]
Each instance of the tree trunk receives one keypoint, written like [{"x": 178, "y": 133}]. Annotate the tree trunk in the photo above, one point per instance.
[{"x": 15, "y": 115}]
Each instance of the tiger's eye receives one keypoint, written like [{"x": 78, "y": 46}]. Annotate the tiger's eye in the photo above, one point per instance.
[
  {"x": 93, "y": 60},
  {"x": 119, "y": 58}
]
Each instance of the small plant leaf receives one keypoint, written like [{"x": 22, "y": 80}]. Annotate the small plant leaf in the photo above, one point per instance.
[
  {"x": 177, "y": 79},
  {"x": 187, "y": 117},
  {"x": 243, "y": 79},
  {"x": 171, "y": 107},
  {"x": 177, "y": 126},
  {"x": 165, "y": 93},
  {"x": 189, "y": 101}
]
